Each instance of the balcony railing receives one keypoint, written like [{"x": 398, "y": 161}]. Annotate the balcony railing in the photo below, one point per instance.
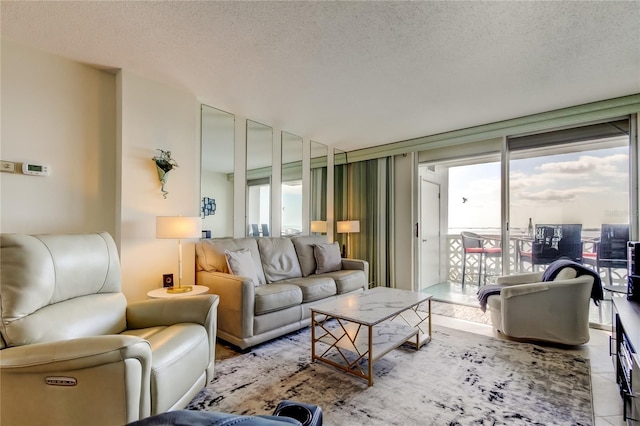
[{"x": 494, "y": 265}]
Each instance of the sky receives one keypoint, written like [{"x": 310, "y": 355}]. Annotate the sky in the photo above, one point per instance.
[{"x": 588, "y": 187}]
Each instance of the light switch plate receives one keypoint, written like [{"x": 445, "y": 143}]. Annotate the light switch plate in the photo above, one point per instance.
[{"x": 7, "y": 166}]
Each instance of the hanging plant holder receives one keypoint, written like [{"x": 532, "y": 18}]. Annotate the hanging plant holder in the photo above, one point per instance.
[
  {"x": 164, "y": 164},
  {"x": 163, "y": 176}
]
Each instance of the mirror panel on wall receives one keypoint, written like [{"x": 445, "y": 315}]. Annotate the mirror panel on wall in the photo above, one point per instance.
[
  {"x": 259, "y": 163},
  {"x": 291, "y": 184},
  {"x": 318, "y": 208},
  {"x": 340, "y": 191},
  {"x": 216, "y": 175}
]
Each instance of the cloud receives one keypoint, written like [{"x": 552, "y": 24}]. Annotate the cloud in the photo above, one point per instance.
[
  {"x": 587, "y": 164},
  {"x": 562, "y": 195}
]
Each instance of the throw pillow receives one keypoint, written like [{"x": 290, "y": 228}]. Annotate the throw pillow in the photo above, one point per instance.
[
  {"x": 241, "y": 263},
  {"x": 328, "y": 257},
  {"x": 561, "y": 269},
  {"x": 566, "y": 273}
]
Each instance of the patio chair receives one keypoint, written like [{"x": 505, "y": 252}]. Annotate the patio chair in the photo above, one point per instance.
[
  {"x": 552, "y": 242},
  {"x": 609, "y": 250},
  {"x": 475, "y": 245}
]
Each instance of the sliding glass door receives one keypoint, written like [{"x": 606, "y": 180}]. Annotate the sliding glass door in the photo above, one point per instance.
[{"x": 566, "y": 188}]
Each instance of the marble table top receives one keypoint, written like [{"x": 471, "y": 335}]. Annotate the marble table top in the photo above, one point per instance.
[{"x": 373, "y": 306}]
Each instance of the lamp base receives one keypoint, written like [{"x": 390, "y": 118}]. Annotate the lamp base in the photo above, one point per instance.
[{"x": 181, "y": 289}]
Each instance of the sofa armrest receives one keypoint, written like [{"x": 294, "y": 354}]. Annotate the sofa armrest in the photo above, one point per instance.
[
  {"x": 237, "y": 301},
  {"x": 516, "y": 290},
  {"x": 112, "y": 372},
  {"x": 526, "y": 278},
  {"x": 357, "y": 264}
]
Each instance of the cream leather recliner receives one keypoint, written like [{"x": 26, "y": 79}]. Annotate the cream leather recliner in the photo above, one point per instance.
[{"x": 72, "y": 352}]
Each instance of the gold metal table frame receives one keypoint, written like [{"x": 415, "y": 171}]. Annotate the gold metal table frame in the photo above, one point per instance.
[{"x": 353, "y": 339}]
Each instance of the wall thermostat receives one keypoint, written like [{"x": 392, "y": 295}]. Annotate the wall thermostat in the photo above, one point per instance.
[{"x": 35, "y": 169}]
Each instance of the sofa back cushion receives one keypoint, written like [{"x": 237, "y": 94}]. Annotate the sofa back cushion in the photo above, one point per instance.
[
  {"x": 211, "y": 257},
  {"x": 304, "y": 249},
  {"x": 279, "y": 259},
  {"x": 57, "y": 287}
]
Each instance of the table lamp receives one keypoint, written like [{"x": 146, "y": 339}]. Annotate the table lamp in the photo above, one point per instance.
[
  {"x": 178, "y": 227},
  {"x": 348, "y": 227},
  {"x": 319, "y": 226}
]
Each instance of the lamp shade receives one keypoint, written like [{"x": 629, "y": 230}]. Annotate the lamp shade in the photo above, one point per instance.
[
  {"x": 348, "y": 226},
  {"x": 318, "y": 226},
  {"x": 177, "y": 227}
]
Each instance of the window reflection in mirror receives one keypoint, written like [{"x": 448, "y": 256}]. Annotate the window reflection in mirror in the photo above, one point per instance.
[
  {"x": 318, "y": 210},
  {"x": 259, "y": 159},
  {"x": 291, "y": 184},
  {"x": 216, "y": 174}
]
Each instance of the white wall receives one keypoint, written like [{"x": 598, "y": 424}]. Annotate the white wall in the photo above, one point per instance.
[
  {"x": 62, "y": 114},
  {"x": 155, "y": 116},
  {"x": 98, "y": 132}
]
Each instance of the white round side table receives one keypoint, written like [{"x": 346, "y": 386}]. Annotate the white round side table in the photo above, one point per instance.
[{"x": 161, "y": 293}]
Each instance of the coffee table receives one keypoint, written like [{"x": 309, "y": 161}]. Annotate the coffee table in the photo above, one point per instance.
[{"x": 353, "y": 332}]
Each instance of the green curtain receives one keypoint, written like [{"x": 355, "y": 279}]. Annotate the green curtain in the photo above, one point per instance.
[
  {"x": 319, "y": 193},
  {"x": 363, "y": 192}
]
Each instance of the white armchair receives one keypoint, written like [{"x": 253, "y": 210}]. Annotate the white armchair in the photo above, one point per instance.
[{"x": 553, "y": 311}]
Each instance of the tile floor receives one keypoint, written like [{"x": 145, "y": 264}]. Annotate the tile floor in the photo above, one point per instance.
[{"x": 607, "y": 403}]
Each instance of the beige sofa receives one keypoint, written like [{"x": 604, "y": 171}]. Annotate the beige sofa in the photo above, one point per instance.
[
  {"x": 72, "y": 352},
  {"x": 279, "y": 284}
]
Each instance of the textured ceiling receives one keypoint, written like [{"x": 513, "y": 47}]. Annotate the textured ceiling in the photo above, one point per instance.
[{"x": 355, "y": 74}]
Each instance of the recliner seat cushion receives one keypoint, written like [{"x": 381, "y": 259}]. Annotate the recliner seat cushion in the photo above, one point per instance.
[
  {"x": 180, "y": 353},
  {"x": 279, "y": 259},
  {"x": 276, "y": 296},
  {"x": 314, "y": 287}
]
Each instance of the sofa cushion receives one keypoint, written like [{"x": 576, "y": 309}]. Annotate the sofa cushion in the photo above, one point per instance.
[
  {"x": 279, "y": 259},
  {"x": 328, "y": 257},
  {"x": 314, "y": 287},
  {"x": 211, "y": 257},
  {"x": 347, "y": 280},
  {"x": 241, "y": 263},
  {"x": 304, "y": 249},
  {"x": 273, "y": 297}
]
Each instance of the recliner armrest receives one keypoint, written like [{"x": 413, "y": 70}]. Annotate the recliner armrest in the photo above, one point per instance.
[
  {"x": 75, "y": 354},
  {"x": 199, "y": 309},
  {"x": 107, "y": 377}
]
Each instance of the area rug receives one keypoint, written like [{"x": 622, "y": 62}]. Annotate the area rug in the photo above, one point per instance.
[{"x": 458, "y": 378}]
